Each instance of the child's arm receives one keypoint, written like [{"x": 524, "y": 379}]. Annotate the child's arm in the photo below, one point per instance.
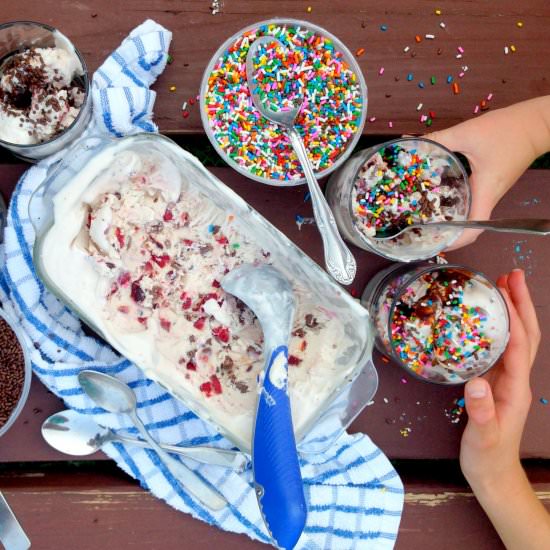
[
  {"x": 497, "y": 409},
  {"x": 499, "y": 145}
]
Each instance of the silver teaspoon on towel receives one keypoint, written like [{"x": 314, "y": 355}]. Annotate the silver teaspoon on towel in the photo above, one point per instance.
[
  {"x": 77, "y": 434},
  {"x": 116, "y": 397}
]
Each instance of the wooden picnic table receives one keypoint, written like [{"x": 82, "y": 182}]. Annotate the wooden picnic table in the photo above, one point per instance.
[{"x": 90, "y": 503}]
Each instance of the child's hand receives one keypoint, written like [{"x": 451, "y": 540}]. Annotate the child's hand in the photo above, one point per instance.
[
  {"x": 498, "y": 405},
  {"x": 499, "y": 145}
]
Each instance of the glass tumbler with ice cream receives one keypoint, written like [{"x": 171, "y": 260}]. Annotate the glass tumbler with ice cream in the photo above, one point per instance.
[
  {"x": 44, "y": 90},
  {"x": 442, "y": 323},
  {"x": 398, "y": 183}
]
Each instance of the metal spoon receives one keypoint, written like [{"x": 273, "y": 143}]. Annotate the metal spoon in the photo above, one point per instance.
[
  {"x": 277, "y": 477},
  {"x": 339, "y": 260},
  {"x": 508, "y": 225},
  {"x": 77, "y": 434},
  {"x": 116, "y": 397}
]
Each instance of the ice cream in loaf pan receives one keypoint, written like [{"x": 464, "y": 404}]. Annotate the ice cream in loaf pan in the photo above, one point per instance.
[{"x": 143, "y": 236}]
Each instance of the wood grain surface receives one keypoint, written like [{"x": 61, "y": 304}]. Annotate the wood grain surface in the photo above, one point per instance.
[
  {"x": 96, "y": 507},
  {"x": 482, "y": 29},
  {"x": 409, "y": 418}
]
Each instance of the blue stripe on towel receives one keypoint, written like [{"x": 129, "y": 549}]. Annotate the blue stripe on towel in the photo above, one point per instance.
[
  {"x": 347, "y": 534},
  {"x": 106, "y": 114}
]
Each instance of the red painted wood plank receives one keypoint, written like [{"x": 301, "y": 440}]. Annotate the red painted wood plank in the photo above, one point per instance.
[
  {"x": 483, "y": 29},
  {"x": 81, "y": 508}
]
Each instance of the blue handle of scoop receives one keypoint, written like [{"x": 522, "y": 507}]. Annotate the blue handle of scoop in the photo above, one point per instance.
[{"x": 277, "y": 475}]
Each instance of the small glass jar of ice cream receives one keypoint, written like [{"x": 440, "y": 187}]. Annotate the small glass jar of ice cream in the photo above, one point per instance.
[
  {"x": 44, "y": 90},
  {"x": 441, "y": 323},
  {"x": 401, "y": 182}
]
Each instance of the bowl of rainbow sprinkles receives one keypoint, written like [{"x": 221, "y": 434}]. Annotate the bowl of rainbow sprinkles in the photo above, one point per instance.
[{"x": 331, "y": 117}]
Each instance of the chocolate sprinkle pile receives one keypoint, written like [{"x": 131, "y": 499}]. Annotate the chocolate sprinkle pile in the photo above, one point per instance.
[{"x": 12, "y": 371}]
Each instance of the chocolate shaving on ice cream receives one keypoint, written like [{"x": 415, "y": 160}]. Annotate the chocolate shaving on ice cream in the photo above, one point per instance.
[{"x": 40, "y": 94}]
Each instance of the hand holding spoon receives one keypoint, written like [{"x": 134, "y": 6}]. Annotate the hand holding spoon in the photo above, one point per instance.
[
  {"x": 77, "y": 434},
  {"x": 338, "y": 258},
  {"x": 116, "y": 397}
]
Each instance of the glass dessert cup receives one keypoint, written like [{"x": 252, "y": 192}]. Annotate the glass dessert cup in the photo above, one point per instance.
[
  {"x": 273, "y": 26},
  {"x": 441, "y": 323},
  {"x": 16, "y": 411},
  {"x": 403, "y": 181},
  {"x": 18, "y": 36},
  {"x": 332, "y": 402}
]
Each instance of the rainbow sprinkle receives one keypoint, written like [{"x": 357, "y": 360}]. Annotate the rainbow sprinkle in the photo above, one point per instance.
[
  {"x": 440, "y": 329},
  {"x": 330, "y": 116},
  {"x": 396, "y": 186}
]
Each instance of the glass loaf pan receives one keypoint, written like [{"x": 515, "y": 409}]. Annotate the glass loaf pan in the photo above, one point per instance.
[{"x": 357, "y": 383}]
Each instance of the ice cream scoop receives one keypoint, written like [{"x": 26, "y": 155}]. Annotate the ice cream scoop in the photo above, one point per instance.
[
  {"x": 116, "y": 397},
  {"x": 339, "y": 260},
  {"x": 277, "y": 476}
]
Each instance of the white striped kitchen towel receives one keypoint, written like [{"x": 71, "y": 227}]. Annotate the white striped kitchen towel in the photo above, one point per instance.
[{"x": 354, "y": 495}]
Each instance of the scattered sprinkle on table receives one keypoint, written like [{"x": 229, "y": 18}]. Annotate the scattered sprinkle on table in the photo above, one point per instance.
[
  {"x": 454, "y": 414},
  {"x": 544, "y": 401},
  {"x": 405, "y": 431},
  {"x": 383, "y": 28}
]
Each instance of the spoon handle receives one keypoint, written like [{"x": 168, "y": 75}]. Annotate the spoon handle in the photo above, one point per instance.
[
  {"x": 513, "y": 225},
  {"x": 227, "y": 458},
  {"x": 277, "y": 476},
  {"x": 338, "y": 258},
  {"x": 188, "y": 479}
]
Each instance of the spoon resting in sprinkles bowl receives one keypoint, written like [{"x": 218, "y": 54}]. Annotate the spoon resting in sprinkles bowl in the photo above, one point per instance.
[{"x": 339, "y": 261}]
